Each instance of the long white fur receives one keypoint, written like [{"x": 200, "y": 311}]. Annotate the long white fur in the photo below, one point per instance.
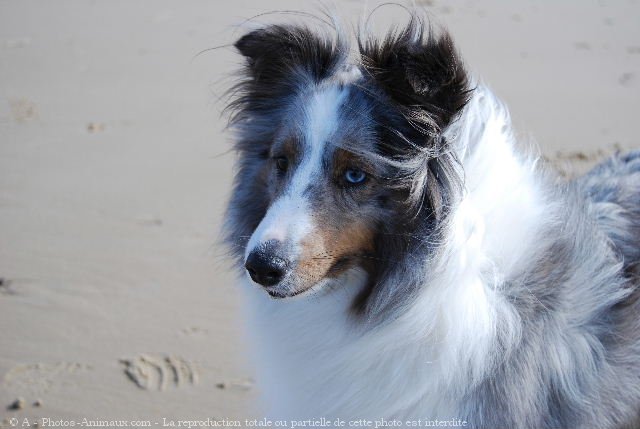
[{"x": 420, "y": 364}]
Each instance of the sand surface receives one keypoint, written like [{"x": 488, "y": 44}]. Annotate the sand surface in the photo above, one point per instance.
[{"x": 115, "y": 298}]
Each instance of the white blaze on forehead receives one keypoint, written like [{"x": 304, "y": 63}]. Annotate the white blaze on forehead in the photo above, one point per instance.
[
  {"x": 289, "y": 219},
  {"x": 320, "y": 123}
]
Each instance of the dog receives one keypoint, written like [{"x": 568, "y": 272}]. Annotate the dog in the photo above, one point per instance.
[{"x": 404, "y": 258}]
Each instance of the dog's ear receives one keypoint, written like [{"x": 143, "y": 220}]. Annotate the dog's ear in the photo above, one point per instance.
[
  {"x": 277, "y": 49},
  {"x": 421, "y": 72}
]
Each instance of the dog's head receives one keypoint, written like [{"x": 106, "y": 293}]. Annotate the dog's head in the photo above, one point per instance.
[{"x": 342, "y": 164}]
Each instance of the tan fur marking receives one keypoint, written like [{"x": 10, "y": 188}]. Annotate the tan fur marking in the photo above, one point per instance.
[{"x": 328, "y": 245}]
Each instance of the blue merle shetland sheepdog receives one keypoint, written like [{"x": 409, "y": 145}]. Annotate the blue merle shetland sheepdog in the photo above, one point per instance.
[{"x": 404, "y": 258}]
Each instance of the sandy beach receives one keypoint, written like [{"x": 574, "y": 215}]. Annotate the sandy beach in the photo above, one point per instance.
[{"x": 116, "y": 299}]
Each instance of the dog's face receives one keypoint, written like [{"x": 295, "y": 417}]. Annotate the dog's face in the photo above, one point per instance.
[
  {"x": 335, "y": 157},
  {"x": 325, "y": 198}
]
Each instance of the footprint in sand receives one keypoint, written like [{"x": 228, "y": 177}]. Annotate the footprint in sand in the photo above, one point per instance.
[
  {"x": 194, "y": 331},
  {"x": 5, "y": 287},
  {"x": 242, "y": 384},
  {"x": 582, "y": 46},
  {"x": 159, "y": 372},
  {"x": 39, "y": 378},
  {"x": 23, "y": 110},
  {"x": 627, "y": 79}
]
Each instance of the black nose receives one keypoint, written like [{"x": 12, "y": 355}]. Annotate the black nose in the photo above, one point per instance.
[{"x": 265, "y": 268}]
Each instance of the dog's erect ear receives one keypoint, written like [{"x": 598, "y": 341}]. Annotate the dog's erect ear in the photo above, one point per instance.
[
  {"x": 277, "y": 49},
  {"x": 420, "y": 72}
]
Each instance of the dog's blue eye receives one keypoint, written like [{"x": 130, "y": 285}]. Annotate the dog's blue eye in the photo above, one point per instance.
[{"x": 355, "y": 176}]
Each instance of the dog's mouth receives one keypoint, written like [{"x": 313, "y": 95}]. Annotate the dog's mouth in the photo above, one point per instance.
[
  {"x": 282, "y": 291},
  {"x": 291, "y": 288},
  {"x": 277, "y": 294}
]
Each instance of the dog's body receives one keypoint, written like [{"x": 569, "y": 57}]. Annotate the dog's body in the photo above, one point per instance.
[{"x": 441, "y": 272}]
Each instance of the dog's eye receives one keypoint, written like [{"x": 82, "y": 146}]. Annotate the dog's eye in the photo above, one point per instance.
[
  {"x": 354, "y": 176},
  {"x": 282, "y": 163}
]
